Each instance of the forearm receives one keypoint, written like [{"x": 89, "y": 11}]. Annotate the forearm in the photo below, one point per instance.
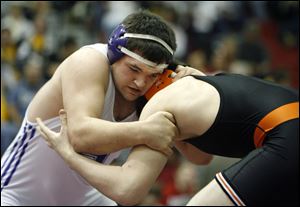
[
  {"x": 126, "y": 184},
  {"x": 99, "y": 136},
  {"x": 107, "y": 179}
]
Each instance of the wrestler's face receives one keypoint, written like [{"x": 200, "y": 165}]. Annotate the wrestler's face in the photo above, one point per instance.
[{"x": 133, "y": 78}]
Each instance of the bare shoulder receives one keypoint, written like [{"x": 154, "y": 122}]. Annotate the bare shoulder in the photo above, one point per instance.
[
  {"x": 191, "y": 101},
  {"x": 85, "y": 65},
  {"x": 87, "y": 59}
]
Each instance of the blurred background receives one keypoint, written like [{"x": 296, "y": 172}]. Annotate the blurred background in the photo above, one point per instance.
[{"x": 255, "y": 38}]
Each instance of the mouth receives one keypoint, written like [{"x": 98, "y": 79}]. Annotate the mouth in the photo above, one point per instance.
[{"x": 134, "y": 91}]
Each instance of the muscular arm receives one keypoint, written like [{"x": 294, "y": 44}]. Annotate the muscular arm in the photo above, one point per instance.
[
  {"x": 126, "y": 184},
  {"x": 84, "y": 82}
]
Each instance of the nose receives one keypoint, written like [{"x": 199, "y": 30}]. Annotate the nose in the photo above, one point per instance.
[{"x": 140, "y": 82}]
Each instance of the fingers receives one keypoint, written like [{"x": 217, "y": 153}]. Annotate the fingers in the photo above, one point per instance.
[
  {"x": 43, "y": 129},
  {"x": 42, "y": 133},
  {"x": 172, "y": 119},
  {"x": 169, "y": 116},
  {"x": 179, "y": 68},
  {"x": 183, "y": 71},
  {"x": 63, "y": 119},
  {"x": 173, "y": 75},
  {"x": 179, "y": 75},
  {"x": 45, "y": 137},
  {"x": 168, "y": 152}
]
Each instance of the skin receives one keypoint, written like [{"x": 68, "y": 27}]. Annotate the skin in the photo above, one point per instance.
[
  {"x": 129, "y": 183},
  {"x": 82, "y": 81}
]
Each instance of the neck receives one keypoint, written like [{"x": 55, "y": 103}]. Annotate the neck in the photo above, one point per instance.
[{"x": 123, "y": 107}]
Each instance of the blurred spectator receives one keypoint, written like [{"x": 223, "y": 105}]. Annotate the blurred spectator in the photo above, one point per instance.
[
  {"x": 186, "y": 184},
  {"x": 197, "y": 59},
  {"x": 172, "y": 17},
  {"x": 286, "y": 14},
  {"x": 215, "y": 17},
  {"x": 8, "y": 128},
  {"x": 167, "y": 177},
  {"x": 279, "y": 76},
  {"x": 8, "y": 59},
  {"x": 153, "y": 197},
  {"x": 38, "y": 40},
  {"x": 116, "y": 11},
  {"x": 8, "y": 47},
  {"x": 250, "y": 48},
  {"x": 51, "y": 65},
  {"x": 16, "y": 22},
  {"x": 224, "y": 53},
  {"x": 68, "y": 46},
  {"x": 241, "y": 67},
  {"x": 23, "y": 93}
]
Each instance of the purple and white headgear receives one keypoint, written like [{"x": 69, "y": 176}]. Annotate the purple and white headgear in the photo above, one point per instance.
[{"x": 117, "y": 46}]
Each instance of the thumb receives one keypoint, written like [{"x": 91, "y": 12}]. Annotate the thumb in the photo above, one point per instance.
[
  {"x": 169, "y": 116},
  {"x": 63, "y": 119}
]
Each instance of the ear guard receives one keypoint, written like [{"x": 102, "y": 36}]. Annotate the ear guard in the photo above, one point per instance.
[
  {"x": 165, "y": 79},
  {"x": 116, "y": 39}
]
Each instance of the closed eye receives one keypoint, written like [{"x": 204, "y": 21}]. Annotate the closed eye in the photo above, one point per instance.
[{"x": 134, "y": 69}]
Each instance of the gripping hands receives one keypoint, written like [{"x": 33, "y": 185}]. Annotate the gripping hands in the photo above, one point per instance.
[{"x": 160, "y": 131}]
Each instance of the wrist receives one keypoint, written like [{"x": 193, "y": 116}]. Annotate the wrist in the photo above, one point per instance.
[
  {"x": 67, "y": 155},
  {"x": 140, "y": 130}
]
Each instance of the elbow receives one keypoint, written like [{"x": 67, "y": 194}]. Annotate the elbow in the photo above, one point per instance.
[
  {"x": 128, "y": 198},
  {"x": 208, "y": 160},
  {"x": 205, "y": 160},
  {"x": 131, "y": 194},
  {"x": 75, "y": 135}
]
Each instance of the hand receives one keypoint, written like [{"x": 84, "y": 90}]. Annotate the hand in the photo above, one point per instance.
[
  {"x": 183, "y": 71},
  {"x": 57, "y": 141},
  {"x": 160, "y": 131}
]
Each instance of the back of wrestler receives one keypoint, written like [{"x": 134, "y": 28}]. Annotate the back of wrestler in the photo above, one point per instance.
[{"x": 257, "y": 121}]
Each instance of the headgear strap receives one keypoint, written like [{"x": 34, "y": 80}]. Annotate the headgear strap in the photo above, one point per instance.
[
  {"x": 150, "y": 37},
  {"x": 161, "y": 67}
]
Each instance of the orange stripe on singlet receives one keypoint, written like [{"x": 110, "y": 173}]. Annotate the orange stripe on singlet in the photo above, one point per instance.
[
  {"x": 274, "y": 118},
  {"x": 229, "y": 190}
]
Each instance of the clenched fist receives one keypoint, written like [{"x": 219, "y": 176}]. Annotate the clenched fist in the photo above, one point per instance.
[{"x": 160, "y": 131}]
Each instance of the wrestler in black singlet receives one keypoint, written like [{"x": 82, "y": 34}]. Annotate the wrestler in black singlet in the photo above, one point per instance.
[{"x": 268, "y": 174}]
